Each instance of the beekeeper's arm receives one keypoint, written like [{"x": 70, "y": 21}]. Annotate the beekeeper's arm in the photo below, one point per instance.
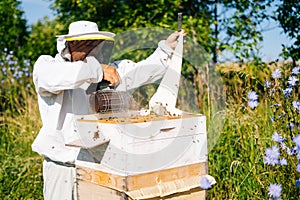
[
  {"x": 134, "y": 75},
  {"x": 52, "y": 75}
]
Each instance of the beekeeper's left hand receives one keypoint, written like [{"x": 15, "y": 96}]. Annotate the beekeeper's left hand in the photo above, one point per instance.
[{"x": 172, "y": 40}]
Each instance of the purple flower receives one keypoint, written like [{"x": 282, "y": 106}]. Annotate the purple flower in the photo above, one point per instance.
[
  {"x": 268, "y": 84},
  {"x": 205, "y": 183},
  {"x": 276, "y": 73},
  {"x": 296, "y": 70},
  {"x": 277, "y": 137},
  {"x": 252, "y": 96},
  {"x": 293, "y": 80},
  {"x": 275, "y": 190}
]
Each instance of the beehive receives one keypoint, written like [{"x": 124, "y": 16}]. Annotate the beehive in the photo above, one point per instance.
[{"x": 126, "y": 155}]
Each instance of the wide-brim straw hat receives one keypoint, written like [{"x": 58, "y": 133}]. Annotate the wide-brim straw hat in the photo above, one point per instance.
[{"x": 86, "y": 30}]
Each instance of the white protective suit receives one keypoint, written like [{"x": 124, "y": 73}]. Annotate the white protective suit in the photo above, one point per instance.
[{"x": 61, "y": 86}]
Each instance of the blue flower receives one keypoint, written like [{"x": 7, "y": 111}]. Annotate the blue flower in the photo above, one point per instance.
[
  {"x": 252, "y": 95},
  {"x": 268, "y": 84},
  {"x": 287, "y": 92},
  {"x": 291, "y": 126},
  {"x": 282, "y": 162},
  {"x": 297, "y": 183},
  {"x": 275, "y": 190},
  {"x": 272, "y": 152},
  {"x": 252, "y": 104},
  {"x": 272, "y": 156},
  {"x": 293, "y": 80},
  {"x": 277, "y": 137},
  {"x": 273, "y": 119},
  {"x": 276, "y": 73},
  {"x": 296, "y": 140},
  {"x": 291, "y": 151},
  {"x": 275, "y": 105},
  {"x": 296, "y": 70},
  {"x": 298, "y": 167},
  {"x": 270, "y": 161},
  {"x": 205, "y": 183},
  {"x": 296, "y": 105}
]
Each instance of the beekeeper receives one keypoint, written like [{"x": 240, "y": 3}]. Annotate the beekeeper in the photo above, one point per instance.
[{"x": 61, "y": 84}]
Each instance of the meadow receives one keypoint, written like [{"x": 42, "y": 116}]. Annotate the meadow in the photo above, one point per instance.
[{"x": 237, "y": 158}]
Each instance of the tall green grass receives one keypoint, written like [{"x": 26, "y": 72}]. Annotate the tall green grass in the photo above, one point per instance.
[{"x": 20, "y": 168}]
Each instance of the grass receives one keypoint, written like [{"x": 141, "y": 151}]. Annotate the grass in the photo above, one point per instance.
[{"x": 236, "y": 148}]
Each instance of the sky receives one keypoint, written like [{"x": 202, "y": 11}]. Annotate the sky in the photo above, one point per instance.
[{"x": 270, "y": 47}]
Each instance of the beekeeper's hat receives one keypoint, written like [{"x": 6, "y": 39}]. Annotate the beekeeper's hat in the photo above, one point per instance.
[{"x": 86, "y": 30}]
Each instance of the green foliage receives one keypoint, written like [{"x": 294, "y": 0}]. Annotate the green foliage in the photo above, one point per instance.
[
  {"x": 242, "y": 27},
  {"x": 288, "y": 15},
  {"x": 13, "y": 30},
  {"x": 118, "y": 16},
  {"x": 42, "y": 40}
]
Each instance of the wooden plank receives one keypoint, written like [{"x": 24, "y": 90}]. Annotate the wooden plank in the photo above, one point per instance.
[
  {"x": 92, "y": 191},
  {"x": 168, "y": 175},
  {"x": 136, "y": 182}
]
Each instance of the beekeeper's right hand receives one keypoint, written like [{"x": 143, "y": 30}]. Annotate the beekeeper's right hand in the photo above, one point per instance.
[{"x": 111, "y": 75}]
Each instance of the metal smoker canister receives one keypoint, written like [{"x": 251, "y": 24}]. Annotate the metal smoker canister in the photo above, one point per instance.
[{"x": 111, "y": 101}]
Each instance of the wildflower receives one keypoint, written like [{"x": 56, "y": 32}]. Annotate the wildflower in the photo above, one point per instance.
[
  {"x": 252, "y": 104},
  {"x": 275, "y": 105},
  {"x": 298, "y": 167},
  {"x": 296, "y": 140},
  {"x": 282, "y": 162},
  {"x": 293, "y": 80},
  {"x": 275, "y": 190},
  {"x": 276, "y": 73},
  {"x": 287, "y": 92},
  {"x": 283, "y": 146},
  {"x": 291, "y": 126},
  {"x": 291, "y": 151},
  {"x": 272, "y": 152},
  {"x": 277, "y": 137},
  {"x": 252, "y": 96},
  {"x": 273, "y": 119},
  {"x": 296, "y": 70},
  {"x": 270, "y": 161},
  {"x": 268, "y": 84},
  {"x": 296, "y": 105},
  {"x": 297, "y": 183},
  {"x": 272, "y": 156},
  {"x": 205, "y": 183}
]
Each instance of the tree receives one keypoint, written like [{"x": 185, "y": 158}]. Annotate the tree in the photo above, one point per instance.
[
  {"x": 239, "y": 24},
  {"x": 288, "y": 15},
  {"x": 13, "y": 29},
  {"x": 42, "y": 40}
]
